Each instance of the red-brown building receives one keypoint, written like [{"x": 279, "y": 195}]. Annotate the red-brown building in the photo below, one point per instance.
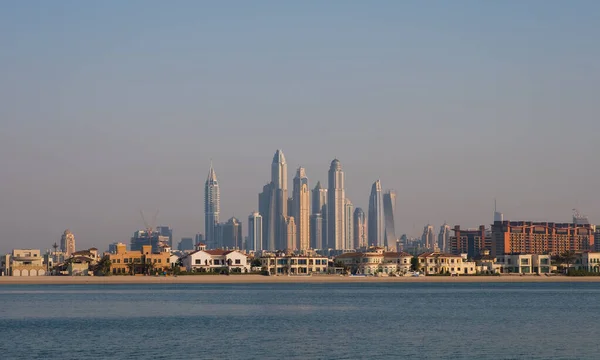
[{"x": 526, "y": 237}]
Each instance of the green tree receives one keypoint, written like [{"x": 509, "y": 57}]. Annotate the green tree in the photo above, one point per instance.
[
  {"x": 256, "y": 263},
  {"x": 414, "y": 264}
]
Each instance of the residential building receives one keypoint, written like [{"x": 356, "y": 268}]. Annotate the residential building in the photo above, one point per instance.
[
  {"x": 469, "y": 241},
  {"x": 217, "y": 260},
  {"x": 301, "y": 209},
  {"x": 67, "y": 243},
  {"x": 212, "y": 207},
  {"x": 143, "y": 261},
  {"x": 376, "y": 219},
  {"x": 336, "y": 198},
  {"x": 389, "y": 212},
  {"x": 524, "y": 263},
  {"x": 255, "y": 232},
  {"x": 266, "y": 208},
  {"x": 167, "y": 232},
  {"x": 24, "y": 262},
  {"x": 435, "y": 263},
  {"x": 360, "y": 229},
  {"x": 376, "y": 261},
  {"x": 527, "y": 237},
  {"x": 282, "y": 264},
  {"x": 349, "y": 223},
  {"x": 280, "y": 185},
  {"x": 590, "y": 261}
]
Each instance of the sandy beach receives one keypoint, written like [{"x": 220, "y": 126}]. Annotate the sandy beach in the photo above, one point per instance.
[{"x": 259, "y": 279}]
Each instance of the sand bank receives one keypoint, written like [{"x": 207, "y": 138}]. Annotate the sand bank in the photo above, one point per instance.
[{"x": 259, "y": 279}]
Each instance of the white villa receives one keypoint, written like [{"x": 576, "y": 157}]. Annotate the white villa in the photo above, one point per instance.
[
  {"x": 376, "y": 261},
  {"x": 203, "y": 260},
  {"x": 433, "y": 263}
]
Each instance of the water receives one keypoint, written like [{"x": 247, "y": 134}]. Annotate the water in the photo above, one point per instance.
[{"x": 311, "y": 321}]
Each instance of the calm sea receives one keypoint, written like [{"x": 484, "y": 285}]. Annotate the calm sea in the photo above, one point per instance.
[{"x": 301, "y": 321}]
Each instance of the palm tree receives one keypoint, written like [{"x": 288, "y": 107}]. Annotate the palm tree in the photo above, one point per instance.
[{"x": 131, "y": 268}]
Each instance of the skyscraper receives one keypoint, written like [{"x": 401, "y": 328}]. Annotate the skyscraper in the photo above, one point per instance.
[
  {"x": 360, "y": 228},
  {"x": 290, "y": 234},
  {"x": 427, "y": 239},
  {"x": 232, "y": 234},
  {"x": 376, "y": 226},
  {"x": 279, "y": 181},
  {"x": 301, "y": 209},
  {"x": 266, "y": 208},
  {"x": 67, "y": 243},
  {"x": 212, "y": 207},
  {"x": 255, "y": 236},
  {"x": 316, "y": 231},
  {"x": 319, "y": 206},
  {"x": 389, "y": 210},
  {"x": 444, "y": 237},
  {"x": 166, "y": 231},
  {"x": 349, "y": 223},
  {"x": 335, "y": 210}
]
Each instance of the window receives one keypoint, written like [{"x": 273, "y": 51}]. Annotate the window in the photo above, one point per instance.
[
  {"x": 198, "y": 262},
  {"x": 238, "y": 261},
  {"x": 125, "y": 260}
]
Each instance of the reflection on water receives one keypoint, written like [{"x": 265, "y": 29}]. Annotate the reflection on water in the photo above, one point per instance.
[{"x": 326, "y": 321}]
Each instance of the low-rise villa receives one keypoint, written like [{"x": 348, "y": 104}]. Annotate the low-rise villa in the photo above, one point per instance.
[
  {"x": 282, "y": 264},
  {"x": 218, "y": 260},
  {"x": 434, "y": 263},
  {"x": 376, "y": 261}
]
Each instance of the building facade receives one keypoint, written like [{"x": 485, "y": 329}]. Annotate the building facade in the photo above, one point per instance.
[
  {"x": 434, "y": 263},
  {"x": 255, "y": 235},
  {"x": 212, "y": 207},
  {"x": 524, "y": 264},
  {"x": 527, "y": 237},
  {"x": 232, "y": 234},
  {"x": 389, "y": 212},
  {"x": 319, "y": 206},
  {"x": 217, "y": 260},
  {"x": 444, "y": 238},
  {"x": 376, "y": 227},
  {"x": 67, "y": 243},
  {"x": 376, "y": 261},
  {"x": 301, "y": 209},
  {"x": 143, "y": 261},
  {"x": 349, "y": 223},
  {"x": 291, "y": 241},
  {"x": 428, "y": 237},
  {"x": 24, "y": 262},
  {"x": 360, "y": 228},
  {"x": 281, "y": 264},
  {"x": 472, "y": 242},
  {"x": 316, "y": 231},
  {"x": 336, "y": 193}
]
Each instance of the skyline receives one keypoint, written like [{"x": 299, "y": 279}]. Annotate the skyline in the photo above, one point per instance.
[{"x": 108, "y": 108}]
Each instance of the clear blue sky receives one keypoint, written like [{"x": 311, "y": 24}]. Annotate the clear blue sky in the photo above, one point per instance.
[{"x": 110, "y": 107}]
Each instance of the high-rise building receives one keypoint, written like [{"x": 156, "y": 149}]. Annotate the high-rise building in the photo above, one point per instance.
[
  {"x": 319, "y": 206},
  {"x": 67, "y": 243},
  {"x": 232, "y": 234},
  {"x": 198, "y": 239},
  {"x": 444, "y": 238},
  {"x": 279, "y": 181},
  {"x": 301, "y": 209},
  {"x": 186, "y": 244},
  {"x": 335, "y": 210},
  {"x": 349, "y": 223},
  {"x": 389, "y": 211},
  {"x": 360, "y": 228},
  {"x": 266, "y": 208},
  {"x": 166, "y": 231},
  {"x": 316, "y": 231},
  {"x": 145, "y": 237},
  {"x": 472, "y": 242},
  {"x": 376, "y": 219},
  {"x": 427, "y": 238},
  {"x": 255, "y": 235},
  {"x": 290, "y": 234},
  {"x": 212, "y": 207}
]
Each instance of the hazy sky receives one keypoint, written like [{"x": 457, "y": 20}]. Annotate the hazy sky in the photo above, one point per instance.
[{"x": 110, "y": 107}]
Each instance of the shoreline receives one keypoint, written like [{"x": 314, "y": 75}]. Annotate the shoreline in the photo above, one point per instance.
[{"x": 261, "y": 279}]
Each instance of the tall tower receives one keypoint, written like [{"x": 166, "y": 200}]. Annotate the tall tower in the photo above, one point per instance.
[
  {"x": 428, "y": 238},
  {"x": 444, "y": 237},
  {"x": 67, "y": 243},
  {"x": 389, "y": 210},
  {"x": 349, "y": 223},
  {"x": 319, "y": 206},
  {"x": 336, "y": 198},
  {"x": 255, "y": 236},
  {"x": 301, "y": 209},
  {"x": 316, "y": 231},
  {"x": 360, "y": 228},
  {"x": 232, "y": 234},
  {"x": 212, "y": 207},
  {"x": 279, "y": 183},
  {"x": 376, "y": 221},
  {"x": 266, "y": 208}
]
